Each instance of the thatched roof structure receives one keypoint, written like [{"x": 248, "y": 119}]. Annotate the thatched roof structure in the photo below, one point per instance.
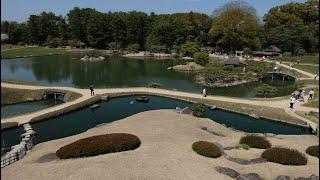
[
  {"x": 235, "y": 61},
  {"x": 272, "y": 49}
]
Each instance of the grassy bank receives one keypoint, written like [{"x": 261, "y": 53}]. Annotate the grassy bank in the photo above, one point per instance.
[
  {"x": 31, "y": 51},
  {"x": 315, "y": 101},
  {"x": 313, "y": 59},
  {"x": 19, "y": 82},
  {"x": 307, "y": 68},
  {"x": 13, "y": 96},
  {"x": 308, "y": 116},
  {"x": 10, "y": 46}
]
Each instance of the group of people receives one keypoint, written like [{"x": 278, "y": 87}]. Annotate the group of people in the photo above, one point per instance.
[{"x": 299, "y": 95}]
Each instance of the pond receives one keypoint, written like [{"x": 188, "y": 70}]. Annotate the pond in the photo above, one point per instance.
[
  {"x": 68, "y": 70},
  {"x": 118, "y": 108},
  {"x": 26, "y": 107}
]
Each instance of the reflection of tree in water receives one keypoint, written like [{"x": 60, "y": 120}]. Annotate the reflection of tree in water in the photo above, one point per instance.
[{"x": 52, "y": 68}]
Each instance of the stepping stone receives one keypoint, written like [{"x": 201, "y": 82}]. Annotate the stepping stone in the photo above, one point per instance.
[
  {"x": 186, "y": 110},
  {"x": 283, "y": 177},
  {"x": 311, "y": 177},
  {"x": 227, "y": 171},
  {"x": 250, "y": 176}
]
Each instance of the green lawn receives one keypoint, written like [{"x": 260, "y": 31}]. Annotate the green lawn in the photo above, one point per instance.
[
  {"x": 307, "y": 68},
  {"x": 31, "y": 51},
  {"x": 314, "y": 59}
]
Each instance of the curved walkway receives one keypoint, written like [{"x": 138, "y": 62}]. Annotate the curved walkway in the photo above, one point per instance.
[{"x": 281, "y": 103}]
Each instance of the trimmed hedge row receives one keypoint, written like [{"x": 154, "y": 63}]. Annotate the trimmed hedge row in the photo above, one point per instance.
[
  {"x": 255, "y": 142},
  {"x": 101, "y": 144},
  {"x": 284, "y": 156},
  {"x": 207, "y": 149},
  {"x": 313, "y": 151}
]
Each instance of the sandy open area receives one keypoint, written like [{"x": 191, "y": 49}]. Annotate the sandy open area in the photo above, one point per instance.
[{"x": 165, "y": 153}]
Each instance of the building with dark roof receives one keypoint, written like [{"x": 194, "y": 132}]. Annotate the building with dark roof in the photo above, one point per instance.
[{"x": 234, "y": 61}]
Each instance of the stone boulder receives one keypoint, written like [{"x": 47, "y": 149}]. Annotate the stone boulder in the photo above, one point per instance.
[{"x": 227, "y": 171}]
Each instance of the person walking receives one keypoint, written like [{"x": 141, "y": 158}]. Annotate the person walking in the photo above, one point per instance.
[
  {"x": 204, "y": 92},
  {"x": 311, "y": 93},
  {"x": 91, "y": 89},
  {"x": 302, "y": 95},
  {"x": 292, "y": 101}
]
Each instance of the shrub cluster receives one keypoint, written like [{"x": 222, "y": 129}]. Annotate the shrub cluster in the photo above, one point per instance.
[
  {"x": 155, "y": 85},
  {"x": 255, "y": 142},
  {"x": 101, "y": 144},
  {"x": 198, "y": 109},
  {"x": 313, "y": 151},
  {"x": 284, "y": 156},
  {"x": 207, "y": 149}
]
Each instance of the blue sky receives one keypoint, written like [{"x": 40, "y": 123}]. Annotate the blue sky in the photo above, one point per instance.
[{"x": 19, "y": 10}]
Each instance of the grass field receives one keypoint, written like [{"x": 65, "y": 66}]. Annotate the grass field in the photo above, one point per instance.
[
  {"x": 307, "y": 68},
  {"x": 31, "y": 51},
  {"x": 313, "y": 59}
]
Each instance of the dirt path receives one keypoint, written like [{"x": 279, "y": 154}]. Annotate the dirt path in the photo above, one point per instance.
[{"x": 281, "y": 103}]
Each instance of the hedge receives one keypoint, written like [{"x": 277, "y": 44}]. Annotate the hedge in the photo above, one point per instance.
[
  {"x": 284, "y": 156},
  {"x": 255, "y": 142},
  {"x": 207, "y": 149},
  {"x": 101, "y": 144},
  {"x": 313, "y": 150}
]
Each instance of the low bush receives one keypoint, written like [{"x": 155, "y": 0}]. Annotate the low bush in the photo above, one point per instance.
[
  {"x": 313, "y": 151},
  {"x": 255, "y": 142},
  {"x": 284, "y": 156},
  {"x": 101, "y": 144},
  {"x": 198, "y": 109},
  {"x": 207, "y": 149},
  {"x": 155, "y": 85},
  {"x": 245, "y": 146}
]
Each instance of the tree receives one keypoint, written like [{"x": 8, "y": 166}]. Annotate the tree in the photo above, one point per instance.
[
  {"x": 189, "y": 48},
  {"x": 133, "y": 47},
  {"x": 235, "y": 29},
  {"x": 201, "y": 58},
  {"x": 293, "y": 26},
  {"x": 265, "y": 90},
  {"x": 238, "y": 4},
  {"x": 4, "y": 27}
]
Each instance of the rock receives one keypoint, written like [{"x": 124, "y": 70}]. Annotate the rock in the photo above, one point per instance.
[
  {"x": 105, "y": 98},
  {"x": 253, "y": 176},
  {"x": 283, "y": 177},
  {"x": 213, "y": 107},
  {"x": 30, "y": 99},
  {"x": 311, "y": 177},
  {"x": 242, "y": 178},
  {"x": 204, "y": 128},
  {"x": 227, "y": 171},
  {"x": 186, "y": 110},
  {"x": 258, "y": 160}
]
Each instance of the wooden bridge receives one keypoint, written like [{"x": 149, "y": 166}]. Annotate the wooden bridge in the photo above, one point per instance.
[{"x": 282, "y": 75}]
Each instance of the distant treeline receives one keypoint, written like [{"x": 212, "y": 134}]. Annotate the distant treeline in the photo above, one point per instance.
[{"x": 293, "y": 27}]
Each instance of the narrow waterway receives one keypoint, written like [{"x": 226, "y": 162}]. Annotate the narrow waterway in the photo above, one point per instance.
[{"x": 119, "y": 108}]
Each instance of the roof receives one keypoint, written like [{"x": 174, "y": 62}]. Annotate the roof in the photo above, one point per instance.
[
  {"x": 272, "y": 48},
  {"x": 4, "y": 37},
  {"x": 79, "y": 43},
  {"x": 233, "y": 61}
]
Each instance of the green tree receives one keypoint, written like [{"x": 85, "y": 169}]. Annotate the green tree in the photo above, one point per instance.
[
  {"x": 133, "y": 47},
  {"x": 235, "y": 29},
  {"x": 201, "y": 58},
  {"x": 265, "y": 90},
  {"x": 189, "y": 48},
  {"x": 293, "y": 26}
]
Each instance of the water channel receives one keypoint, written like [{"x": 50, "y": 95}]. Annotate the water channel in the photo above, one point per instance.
[{"x": 118, "y": 108}]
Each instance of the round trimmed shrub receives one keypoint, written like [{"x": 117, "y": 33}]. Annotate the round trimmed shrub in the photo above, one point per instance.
[
  {"x": 207, "y": 149},
  {"x": 284, "y": 156},
  {"x": 198, "y": 109},
  {"x": 255, "y": 142},
  {"x": 101, "y": 144},
  {"x": 313, "y": 151}
]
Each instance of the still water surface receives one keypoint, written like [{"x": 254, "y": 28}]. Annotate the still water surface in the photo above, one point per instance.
[{"x": 68, "y": 70}]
